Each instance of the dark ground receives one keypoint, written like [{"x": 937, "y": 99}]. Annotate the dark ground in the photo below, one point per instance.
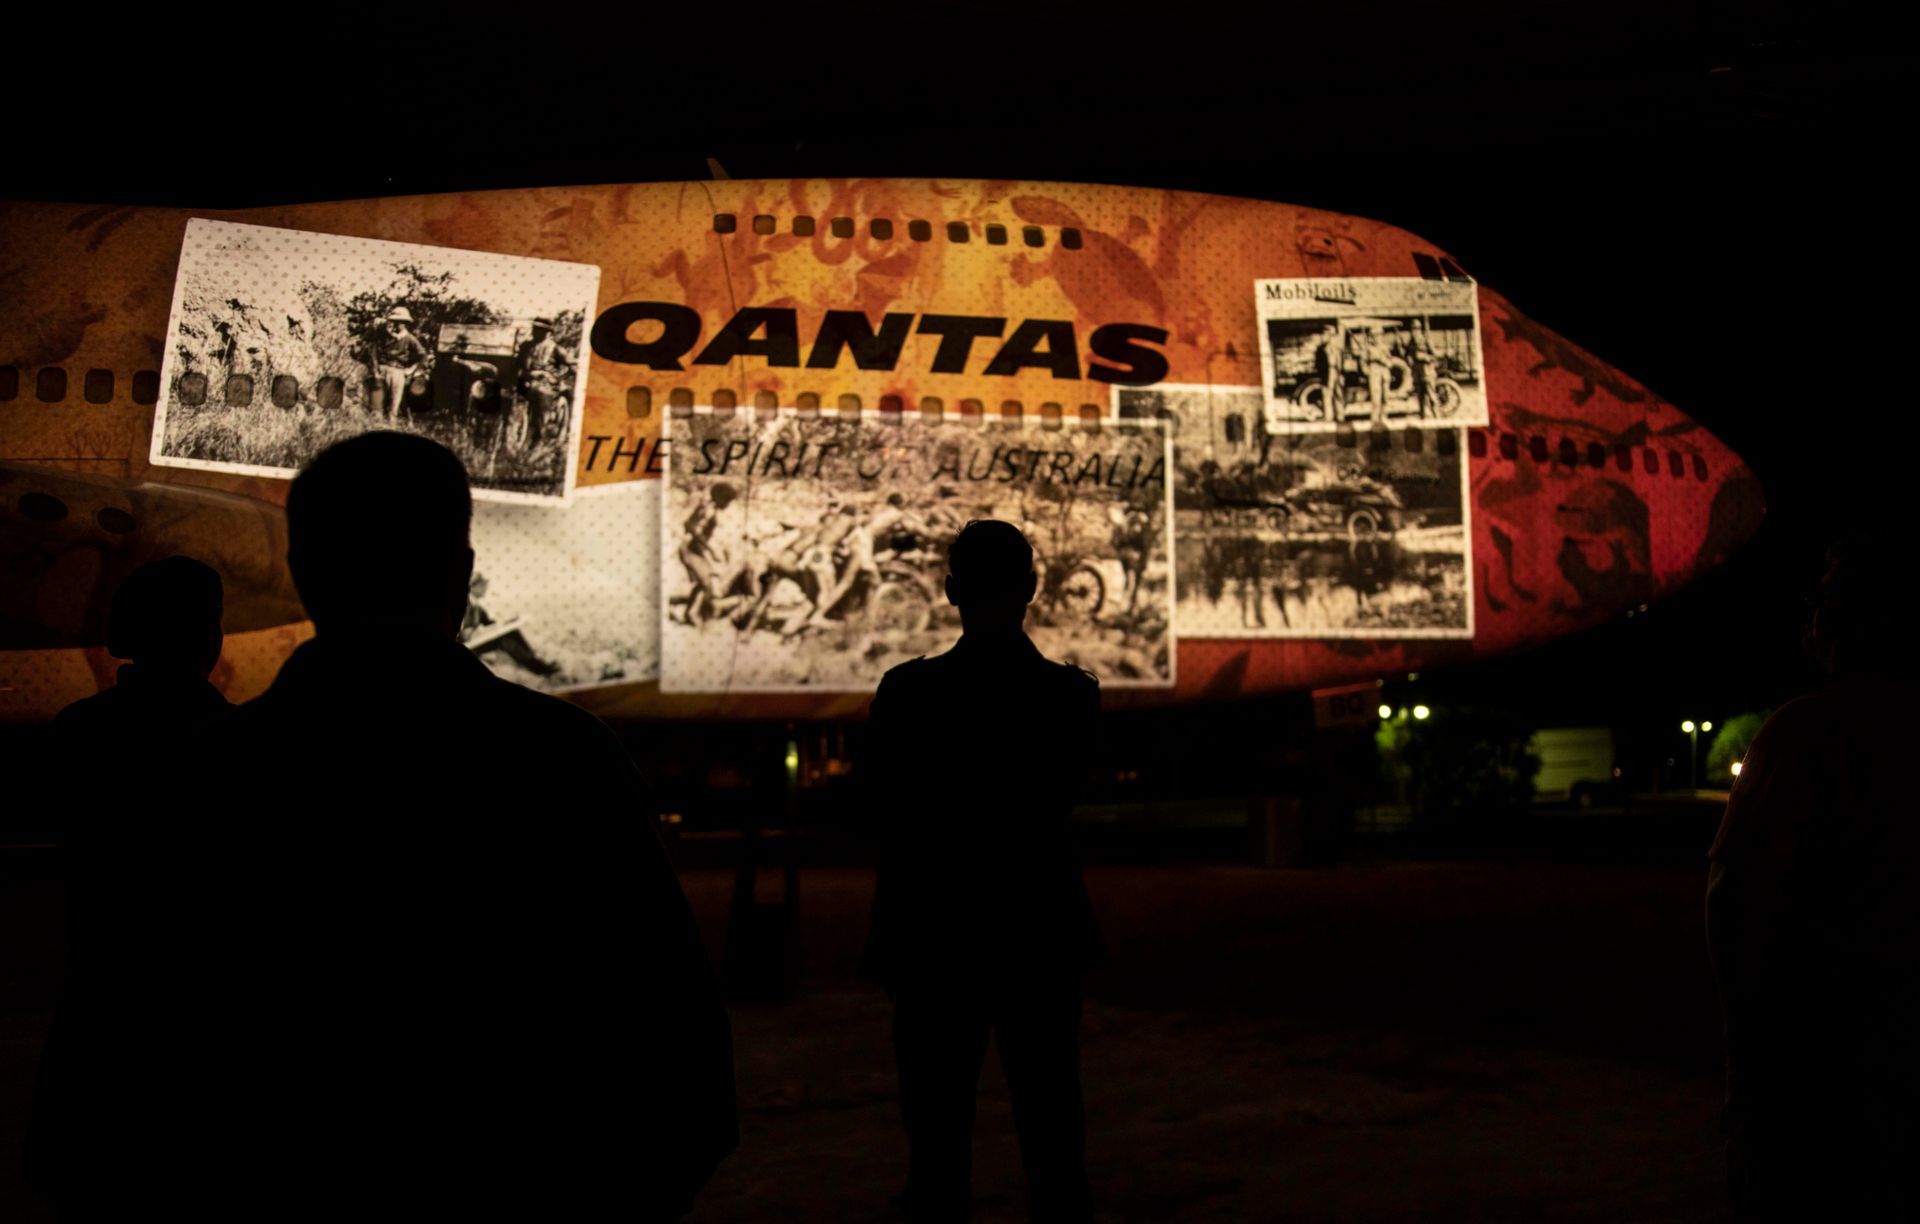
[{"x": 1532, "y": 1039}]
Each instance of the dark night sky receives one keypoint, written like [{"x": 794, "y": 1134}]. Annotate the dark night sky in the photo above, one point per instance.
[{"x": 1711, "y": 197}]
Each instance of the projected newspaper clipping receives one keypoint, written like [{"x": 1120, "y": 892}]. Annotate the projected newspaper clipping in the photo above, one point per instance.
[
  {"x": 808, "y": 552},
  {"x": 1371, "y": 348}
]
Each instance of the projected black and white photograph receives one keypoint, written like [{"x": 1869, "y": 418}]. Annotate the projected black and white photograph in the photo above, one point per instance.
[
  {"x": 1374, "y": 349},
  {"x": 282, "y": 342},
  {"x": 568, "y": 597},
  {"x": 1296, "y": 535},
  {"x": 809, "y": 552}
]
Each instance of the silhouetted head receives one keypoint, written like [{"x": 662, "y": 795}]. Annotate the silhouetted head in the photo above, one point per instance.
[
  {"x": 377, "y": 534},
  {"x": 1852, "y": 629},
  {"x": 166, "y": 617},
  {"x": 990, "y": 575}
]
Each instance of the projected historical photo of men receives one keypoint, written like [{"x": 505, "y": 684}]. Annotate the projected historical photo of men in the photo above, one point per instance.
[
  {"x": 282, "y": 342},
  {"x": 806, "y": 552}
]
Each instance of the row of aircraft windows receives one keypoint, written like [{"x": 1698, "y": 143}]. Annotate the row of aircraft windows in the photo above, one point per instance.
[
  {"x": 50, "y": 386},
  {"x": 882, "y": 229}
]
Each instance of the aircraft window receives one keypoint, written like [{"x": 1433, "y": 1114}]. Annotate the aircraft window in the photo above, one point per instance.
[
  {"x": 146, "y": 386},
  {"x": 1699, "y": 468},
  {"x": 1676, "y": 464},
  {"x": 1379, "y": 438},
  {"x": 98, "y": 387},
  {"x": 640, "y": 402},
  {"x": 51, "y": 385},
  {"x": 114, "y": 519},
  {"x": 920, "y": 231},
  {"x": 1509, "y": 447},
  {"x": 1596, "y": 455},
  {"x": 1416, "y": 441},
  {"x": 1569, "y": 453},
  {"x": 286, "y": 391},
  {"x": 881, "y": 229},
  {"x": 841, "y": 227},
  {"x": 764, "y": 224},
  {"x": 1344, "y": 437},
  {"x": 803, "y": 226},
  {"x": 957, "y": 231},
  {"x": 680, "y": 400},
  {"x": 765, "y": 402},
  {"x": 1012, "y": 410},
  {"x": 1428, "y": 266},
  {"x": 724, "y": 400},
  {"x": 808, "y": 402},
  {"x": 1070, "y": 238},
  {"x": 9, "y": 383},
  {"x": 1448, "y": 442},
  {"x": 997, "y": 235},
  {"x": 239, "y": 390},
  {"x": 42, "y": 507},
  {"x": 1049, "y": 415},
  {"x": 723, "y": 223},
  {"x": 1091, "y": 413},
  {"x": 1650, "y": 460},
  {"x": 892, "y": 403},
  {"x": 1537, "y": 448},
  {"x": 1453, "y": 270},
  {"x": 328, "y": 393},
  {"x": 1476, "y": 443},
  {"x": 1032, "y": 236},
  {"x": 1623, "y": 458},
  {"x": 971, "y": 411},
  {"x": 850, "y": 405},
  {"x": 931, "y": 408}
]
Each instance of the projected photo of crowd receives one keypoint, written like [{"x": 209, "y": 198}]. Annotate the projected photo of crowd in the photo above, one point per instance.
[
  {"x": 809, "y": 552},
  {"x": 1376, "y": 349},
  {"x": 282, "y": 342},
  {"x": 568, "y": 597},
  {"x": 1310, "y": 534}
]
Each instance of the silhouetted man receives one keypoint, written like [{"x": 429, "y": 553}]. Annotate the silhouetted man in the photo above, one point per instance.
[
  {"x": 463, "y": 979},
  {"x": 980, "y": 920},
  {"x": 1813, "y": 919},
  {"x": 120, "y": 769}
]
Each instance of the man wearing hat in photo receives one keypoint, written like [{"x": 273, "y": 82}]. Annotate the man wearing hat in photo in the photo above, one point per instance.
[
  {"x": 394, "y": 356},
  {"x": 546, "y": 374}
]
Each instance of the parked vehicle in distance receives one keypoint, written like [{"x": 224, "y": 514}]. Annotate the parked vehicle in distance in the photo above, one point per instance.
[{"x": 1576, "y": 766}]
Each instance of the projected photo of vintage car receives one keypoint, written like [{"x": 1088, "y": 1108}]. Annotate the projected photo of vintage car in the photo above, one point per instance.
[{"x": 1386, "y": 348}]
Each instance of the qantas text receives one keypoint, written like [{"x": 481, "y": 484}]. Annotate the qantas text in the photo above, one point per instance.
[{"x": 1120, "y": 353}]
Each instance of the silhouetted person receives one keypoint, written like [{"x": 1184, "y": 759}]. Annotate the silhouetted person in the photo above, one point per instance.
[
  {"x": 980, "y": 919},
  {"x": 113, "y": 774},
  {"x": 1813, "y": 919},
  {"x": 463, "y": 981}
]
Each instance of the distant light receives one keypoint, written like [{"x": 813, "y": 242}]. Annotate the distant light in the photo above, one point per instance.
[
  {"x": 1687, "y": 726},
  {"x": 671, "y": 818},
  {"x": 1386, "y": 711},
  {"x": 793, "y": 757},
  {"x": 1413, "y": 675},
  {"x": 1616, "y": 771},
  {"x": 1736, "y": 769},
  {"x": 1706, "y": 726},
  {"x": 1421, "y": 711}
]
